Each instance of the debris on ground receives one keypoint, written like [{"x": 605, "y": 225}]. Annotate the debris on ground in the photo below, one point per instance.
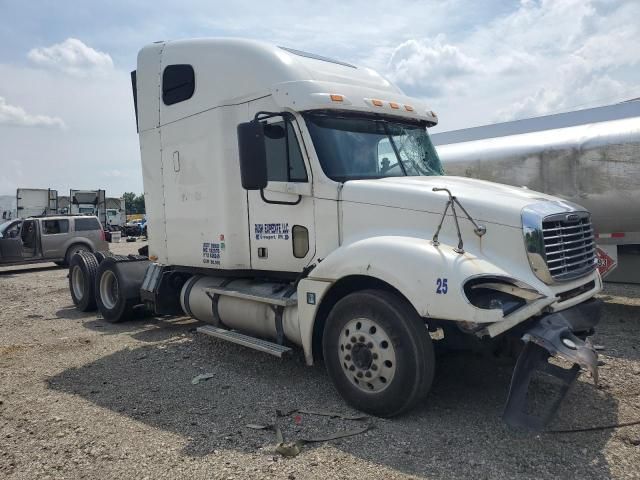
[{"x": 201, "y": 378}]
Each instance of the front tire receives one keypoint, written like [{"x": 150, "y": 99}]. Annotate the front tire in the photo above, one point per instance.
[{"x": 378, "y": 353}]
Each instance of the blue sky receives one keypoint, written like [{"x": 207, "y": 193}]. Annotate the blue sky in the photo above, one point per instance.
[{"x": 66, "y": 115}]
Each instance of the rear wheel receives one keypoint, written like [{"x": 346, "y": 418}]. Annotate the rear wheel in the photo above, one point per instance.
[
  {"x": 72, "y": 250},
  {"x": 101, "y": 255},
  {"x": 110, "y": 295},
  {"x": 82, "y": 274},
  {"x": 378, "y": 353}
]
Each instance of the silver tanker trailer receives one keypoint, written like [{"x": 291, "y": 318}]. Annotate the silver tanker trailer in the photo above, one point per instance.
[{"x": 590, "y": 157}]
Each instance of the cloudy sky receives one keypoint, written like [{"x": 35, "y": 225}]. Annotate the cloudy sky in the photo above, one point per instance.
[{"x": 66, "y": 114}]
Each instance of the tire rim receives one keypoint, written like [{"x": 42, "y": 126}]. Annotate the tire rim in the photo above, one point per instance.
[
  {"x": 367, "y": 355},
  {"x": 109, "y": 289},
  {"x": 77, "y": 282}
]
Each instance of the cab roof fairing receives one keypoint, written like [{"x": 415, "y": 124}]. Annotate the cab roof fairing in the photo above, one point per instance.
[{"x": 253, "y": 69}]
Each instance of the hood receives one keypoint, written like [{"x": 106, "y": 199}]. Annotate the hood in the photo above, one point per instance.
[{"x": 485, "y": 201}]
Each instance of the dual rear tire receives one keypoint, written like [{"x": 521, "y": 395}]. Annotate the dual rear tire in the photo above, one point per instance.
[
  {"x": 111, "y": 298},
  {"x": 83, "y": 268},
  {"x": 107, "y": 282}
]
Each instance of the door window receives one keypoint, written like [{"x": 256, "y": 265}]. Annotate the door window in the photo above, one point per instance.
[
  {"x": 284, "y": 158},
  {"x": 53, "y": 227},
  {"x": 10, "y": 230},
  {"x": 28, "y": 234}
]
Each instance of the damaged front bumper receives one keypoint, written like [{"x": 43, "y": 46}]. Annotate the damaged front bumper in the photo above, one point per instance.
[{"x": 563, "y": 335}]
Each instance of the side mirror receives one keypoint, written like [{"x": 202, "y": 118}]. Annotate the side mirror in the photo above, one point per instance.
[{"x": 253, "y": 155}]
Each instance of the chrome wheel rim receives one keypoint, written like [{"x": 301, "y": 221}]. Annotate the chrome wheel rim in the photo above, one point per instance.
[
  {"x": 77, "y": 282},
  {"x": 367, "y": 355},
  {"x": 109, "y": 289}
]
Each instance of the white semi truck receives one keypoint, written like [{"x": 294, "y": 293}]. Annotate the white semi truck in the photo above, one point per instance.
[
  {"x": 297, "y": 201},
  {"x": 115, "y": 213}
]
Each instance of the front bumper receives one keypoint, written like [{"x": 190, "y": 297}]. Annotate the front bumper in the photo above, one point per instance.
[{"x": 563, "y": 335}]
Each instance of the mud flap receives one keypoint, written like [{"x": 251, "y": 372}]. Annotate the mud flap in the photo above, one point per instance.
[{"x": 550, "y": 336}]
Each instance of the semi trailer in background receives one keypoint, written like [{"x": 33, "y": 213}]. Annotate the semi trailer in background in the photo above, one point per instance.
[
  {"x": 590, "y": 157},
  {"x": 31, "y": 202},
  {"x": 89, "y": 202},
  {"x": 276, "y": 222}
]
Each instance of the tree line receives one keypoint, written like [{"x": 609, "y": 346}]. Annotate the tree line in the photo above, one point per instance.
[{"x": 134, "y": 203}]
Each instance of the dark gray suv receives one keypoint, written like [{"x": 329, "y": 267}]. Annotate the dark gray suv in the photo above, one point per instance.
[{"x": 49, "y": 239}]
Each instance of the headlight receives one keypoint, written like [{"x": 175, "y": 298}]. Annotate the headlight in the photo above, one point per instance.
[{"x": 499, "y": 293}]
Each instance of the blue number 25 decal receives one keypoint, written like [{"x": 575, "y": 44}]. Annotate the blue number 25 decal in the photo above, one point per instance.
[{"x": 441, "y": 286}]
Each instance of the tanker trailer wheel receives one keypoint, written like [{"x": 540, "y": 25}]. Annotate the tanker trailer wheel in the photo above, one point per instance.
[
  {"x": 82, "y": 274},
  {"x": 109, "y": 291},
  {"x": 378, "y": 353}
]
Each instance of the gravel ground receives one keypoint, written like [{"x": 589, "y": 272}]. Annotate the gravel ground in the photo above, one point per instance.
[{"x": 82, "y": 398}]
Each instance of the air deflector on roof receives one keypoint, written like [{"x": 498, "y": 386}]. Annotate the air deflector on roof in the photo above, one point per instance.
[{"x": 316, "y": 57}]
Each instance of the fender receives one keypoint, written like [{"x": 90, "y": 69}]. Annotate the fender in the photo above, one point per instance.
[{"x": 430, "y": 277}]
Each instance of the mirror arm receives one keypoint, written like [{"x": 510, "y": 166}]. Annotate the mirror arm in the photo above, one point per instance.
[{"x": 265, "y": 115}]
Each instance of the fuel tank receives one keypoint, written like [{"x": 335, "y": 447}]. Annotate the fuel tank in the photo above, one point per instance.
[{"x": 251, "y": 317}]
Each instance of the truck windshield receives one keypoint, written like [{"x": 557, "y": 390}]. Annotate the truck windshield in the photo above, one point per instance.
[{"x": 352, "y": 147}]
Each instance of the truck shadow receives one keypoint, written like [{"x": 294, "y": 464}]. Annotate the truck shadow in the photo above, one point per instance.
[{"x": 460, "y": 422}]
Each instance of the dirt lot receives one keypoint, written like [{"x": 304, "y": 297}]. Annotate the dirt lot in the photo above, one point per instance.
[{"x": 82, "y": 398}]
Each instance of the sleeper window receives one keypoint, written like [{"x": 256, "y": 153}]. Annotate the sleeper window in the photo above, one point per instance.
[{"x": 178, "y": 84}]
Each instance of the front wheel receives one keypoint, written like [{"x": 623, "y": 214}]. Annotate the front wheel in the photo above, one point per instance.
[{"x": 378, "y": 353}]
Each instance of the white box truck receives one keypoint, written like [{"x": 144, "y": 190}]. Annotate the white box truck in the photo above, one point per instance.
[{"x": 297, "y": 201}]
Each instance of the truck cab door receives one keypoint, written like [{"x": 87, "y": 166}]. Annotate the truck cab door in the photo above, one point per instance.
[
  {"x": 11, "y": 244},
  {"x": 30, "y": 239},
  {"x": 281, "y": 216}
]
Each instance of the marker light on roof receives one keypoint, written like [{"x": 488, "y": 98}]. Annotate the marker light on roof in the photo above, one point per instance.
[
  {"x": 408, "y": 108},
  {"x": 336, "y": 98},
  {"x": 377, "y": 103},
  {"x": 394, "y": 105}
]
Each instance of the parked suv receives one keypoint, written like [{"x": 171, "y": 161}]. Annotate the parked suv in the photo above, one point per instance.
[{"x": 49, "y": 239}]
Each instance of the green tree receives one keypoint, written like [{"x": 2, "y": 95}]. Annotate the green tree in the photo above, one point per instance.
[
  {"x": 139, "y": 204},
  {"x": 129, "y": 201}
]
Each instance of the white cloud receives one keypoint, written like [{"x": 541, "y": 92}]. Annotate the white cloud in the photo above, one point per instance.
[
  {"x": 541, "y": 57},
  {"x": 73, "y": 57},
  {"x": 428, "y": 64},
  {"x": 17, "y": 116}
]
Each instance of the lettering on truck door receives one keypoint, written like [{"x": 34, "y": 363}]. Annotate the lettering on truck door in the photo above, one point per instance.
[{"x": 281, "y": 216}]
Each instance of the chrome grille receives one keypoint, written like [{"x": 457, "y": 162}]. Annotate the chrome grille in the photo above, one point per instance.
[{"x": 569, "y": 245}]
